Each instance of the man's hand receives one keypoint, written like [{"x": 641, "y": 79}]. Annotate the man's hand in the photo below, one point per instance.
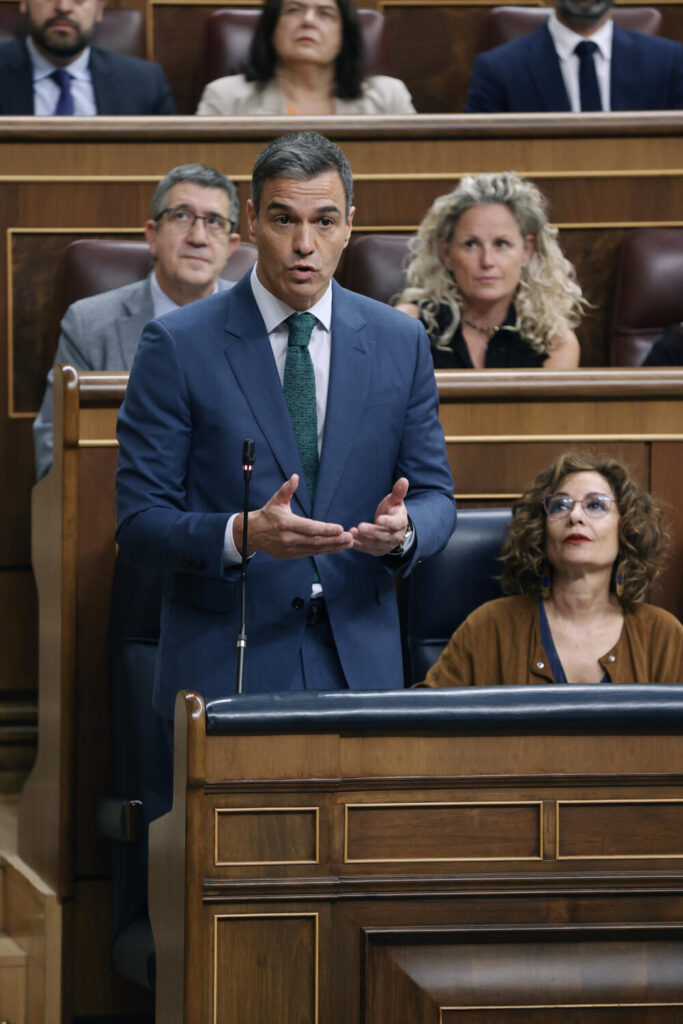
[
  {"x": 390, "y": 525},
  {"x": 277, "y": 531}
]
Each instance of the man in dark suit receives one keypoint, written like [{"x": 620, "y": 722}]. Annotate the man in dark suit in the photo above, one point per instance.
[
  {"x": 55, "y": 70},
  {"x": 102, "y": 332},
  {"x": 578, "y": 61},
  {"x": 351, "y": 482}
]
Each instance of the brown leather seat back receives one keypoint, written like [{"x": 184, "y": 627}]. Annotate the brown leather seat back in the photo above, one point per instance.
[
  {"x": 649, "y": 292},
  {"x": 94, "y": 265},
  {"x": 120, "y": 30},
  {"x": 375, "y": 265},
  {"x": 227, "y": 36},
  {"x": 503, "y": 24}
]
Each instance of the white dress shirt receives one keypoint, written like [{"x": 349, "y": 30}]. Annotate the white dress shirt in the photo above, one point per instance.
[
  {"x": 46, "y": 91},
  {"x": 274, "y": 312},
  {"x": 565, "y": 42}
]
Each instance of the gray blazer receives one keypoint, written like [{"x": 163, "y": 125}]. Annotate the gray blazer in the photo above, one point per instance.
[{"x": 98, "y": 333}]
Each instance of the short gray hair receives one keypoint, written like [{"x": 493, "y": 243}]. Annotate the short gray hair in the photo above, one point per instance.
[
  {"x": 300, "y": 155},
  {"x": 196, "y": 174}
]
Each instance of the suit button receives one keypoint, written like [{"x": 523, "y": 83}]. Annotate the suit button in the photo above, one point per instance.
[{"x": 298, "y": 603}]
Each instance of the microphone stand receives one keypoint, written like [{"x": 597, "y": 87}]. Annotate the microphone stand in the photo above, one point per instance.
[{"x": 247, "y": 467}]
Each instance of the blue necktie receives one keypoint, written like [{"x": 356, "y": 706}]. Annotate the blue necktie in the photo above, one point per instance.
[
  {"x": 65, "y": 103},
  {"x": 588, "y": 79},
  {"x": 298, "y": 385}
]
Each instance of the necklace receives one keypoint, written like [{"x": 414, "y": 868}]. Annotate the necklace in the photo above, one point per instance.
[{"x": 488, "y": 331}]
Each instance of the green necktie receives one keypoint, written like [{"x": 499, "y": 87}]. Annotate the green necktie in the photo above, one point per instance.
[{"x": 299, "y": 389}]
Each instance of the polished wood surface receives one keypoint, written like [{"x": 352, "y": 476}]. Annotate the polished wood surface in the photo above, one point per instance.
[
  {"x": 73, "y": 556},
  {"x": 68, "y": 178},
  {"x": 496, "y": 877}
]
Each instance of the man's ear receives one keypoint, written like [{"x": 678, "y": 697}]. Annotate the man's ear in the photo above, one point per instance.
[
  {"x": 151, "y": 236},
  {"x": 251, "y": 219},
  {"x": 101, "y": 4},
  {"x": 233, "y": 241},
  {"x": 349, "y": 224}
]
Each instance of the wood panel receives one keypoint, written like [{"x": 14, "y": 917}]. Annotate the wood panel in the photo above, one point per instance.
[
  {"x": 282, "y": 947},
  {"x": 498, "y": 940}
]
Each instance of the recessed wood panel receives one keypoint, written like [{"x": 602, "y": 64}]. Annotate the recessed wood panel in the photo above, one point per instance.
[
  {"x": 501, "y": 976},
  {"x": 625, "y": 829},
  {"x": 266, "y": 835},
  {"x": 265, "y": 968},
  {"x": 442, "y": 832}
]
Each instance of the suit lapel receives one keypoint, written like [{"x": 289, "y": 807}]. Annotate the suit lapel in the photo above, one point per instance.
[
  {"x": 250, "y": 355},
  {"x": 346, "y": 394},
  {"x": 103, "y": 82},
  {"x": 544, "y": 69},
  {"x": 16, "y": 82},
  {"x": 138, "y": 309},
  {"x": 624, "y": 73}
]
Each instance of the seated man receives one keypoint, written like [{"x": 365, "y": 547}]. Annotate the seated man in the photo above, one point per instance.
[
  {"x": 668, "y": 350},
  {"x": 191, "y": 235},
  {"x": 56, "y": 71},
  {"x": 578, "y": 61}
]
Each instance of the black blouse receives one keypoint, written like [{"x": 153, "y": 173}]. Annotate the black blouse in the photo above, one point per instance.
[{"x": 505, "y": 350}]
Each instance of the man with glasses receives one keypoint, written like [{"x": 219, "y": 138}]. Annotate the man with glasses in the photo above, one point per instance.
[{"x": 191, "y": 234}]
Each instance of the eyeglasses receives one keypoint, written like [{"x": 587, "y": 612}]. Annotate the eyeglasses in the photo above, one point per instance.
[
  {"x": 182, "y": 219},
  {"x": 594, "y": 505}
]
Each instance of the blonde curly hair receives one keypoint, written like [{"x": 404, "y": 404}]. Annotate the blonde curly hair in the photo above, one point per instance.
[{"x": 548, "y": 296}]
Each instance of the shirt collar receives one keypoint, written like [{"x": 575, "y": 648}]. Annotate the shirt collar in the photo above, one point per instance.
[
  {"x": 43, "y": 68},
  {"x": 565, "y": 39},
  {"x": 161, "y": 302},
  {"x": 274, "y": 311}
]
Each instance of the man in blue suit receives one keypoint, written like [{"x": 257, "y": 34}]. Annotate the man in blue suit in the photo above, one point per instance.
[
  {"x": 55, "y": 70},
  {"x": 335, "y": 517},
  {"x": 579, "y": 60}
]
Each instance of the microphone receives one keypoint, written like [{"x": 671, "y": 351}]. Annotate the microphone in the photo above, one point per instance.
[{"x": 247, "y": 467}]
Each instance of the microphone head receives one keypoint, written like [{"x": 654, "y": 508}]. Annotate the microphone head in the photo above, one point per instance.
[{"x": 247, "y": 452}]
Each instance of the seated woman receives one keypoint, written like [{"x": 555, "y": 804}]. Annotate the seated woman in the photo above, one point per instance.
[
  {"x": 489, "y": 282},
  {"x": 306, "y": 57},
  {"x": 583, "y": 547}
]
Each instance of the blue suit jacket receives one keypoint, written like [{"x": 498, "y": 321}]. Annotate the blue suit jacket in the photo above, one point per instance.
[
  {"x": 204, "y": 378},
  {"x": 524, "y": 75},
  {"x": 122, "y": 85}
]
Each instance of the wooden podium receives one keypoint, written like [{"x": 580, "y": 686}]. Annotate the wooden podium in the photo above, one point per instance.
[{"x": 423, "y": 857}]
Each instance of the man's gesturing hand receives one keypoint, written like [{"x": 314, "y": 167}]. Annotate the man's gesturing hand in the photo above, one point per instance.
[
  {"x": 390, "y": 525},
  {"x": 276, "y": 530}
]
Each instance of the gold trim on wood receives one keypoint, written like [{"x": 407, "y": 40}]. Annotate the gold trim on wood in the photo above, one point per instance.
[
  {"x": 569, "y": 438},
  {"x": 97, "y": 442},
  {"x": 612, "y": 856},
  {"x": 441, "y": 803},
  {"x": 545, "y": 1006},
  {"x": 222, "y": 917},
  {"x": 263, "y": 810}
]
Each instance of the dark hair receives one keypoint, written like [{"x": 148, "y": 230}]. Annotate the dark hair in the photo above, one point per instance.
[
  {"x": 642, "y": 537},
  {"x": 196, "y": 174},
  {"x": 300, "y": 155},
  {"x": 349, "y": 65}
]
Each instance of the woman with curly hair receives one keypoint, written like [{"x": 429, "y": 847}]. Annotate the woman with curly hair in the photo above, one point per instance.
[
  {"x": 584, "y": 545},
  {"x": 489, "y": 281}
]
